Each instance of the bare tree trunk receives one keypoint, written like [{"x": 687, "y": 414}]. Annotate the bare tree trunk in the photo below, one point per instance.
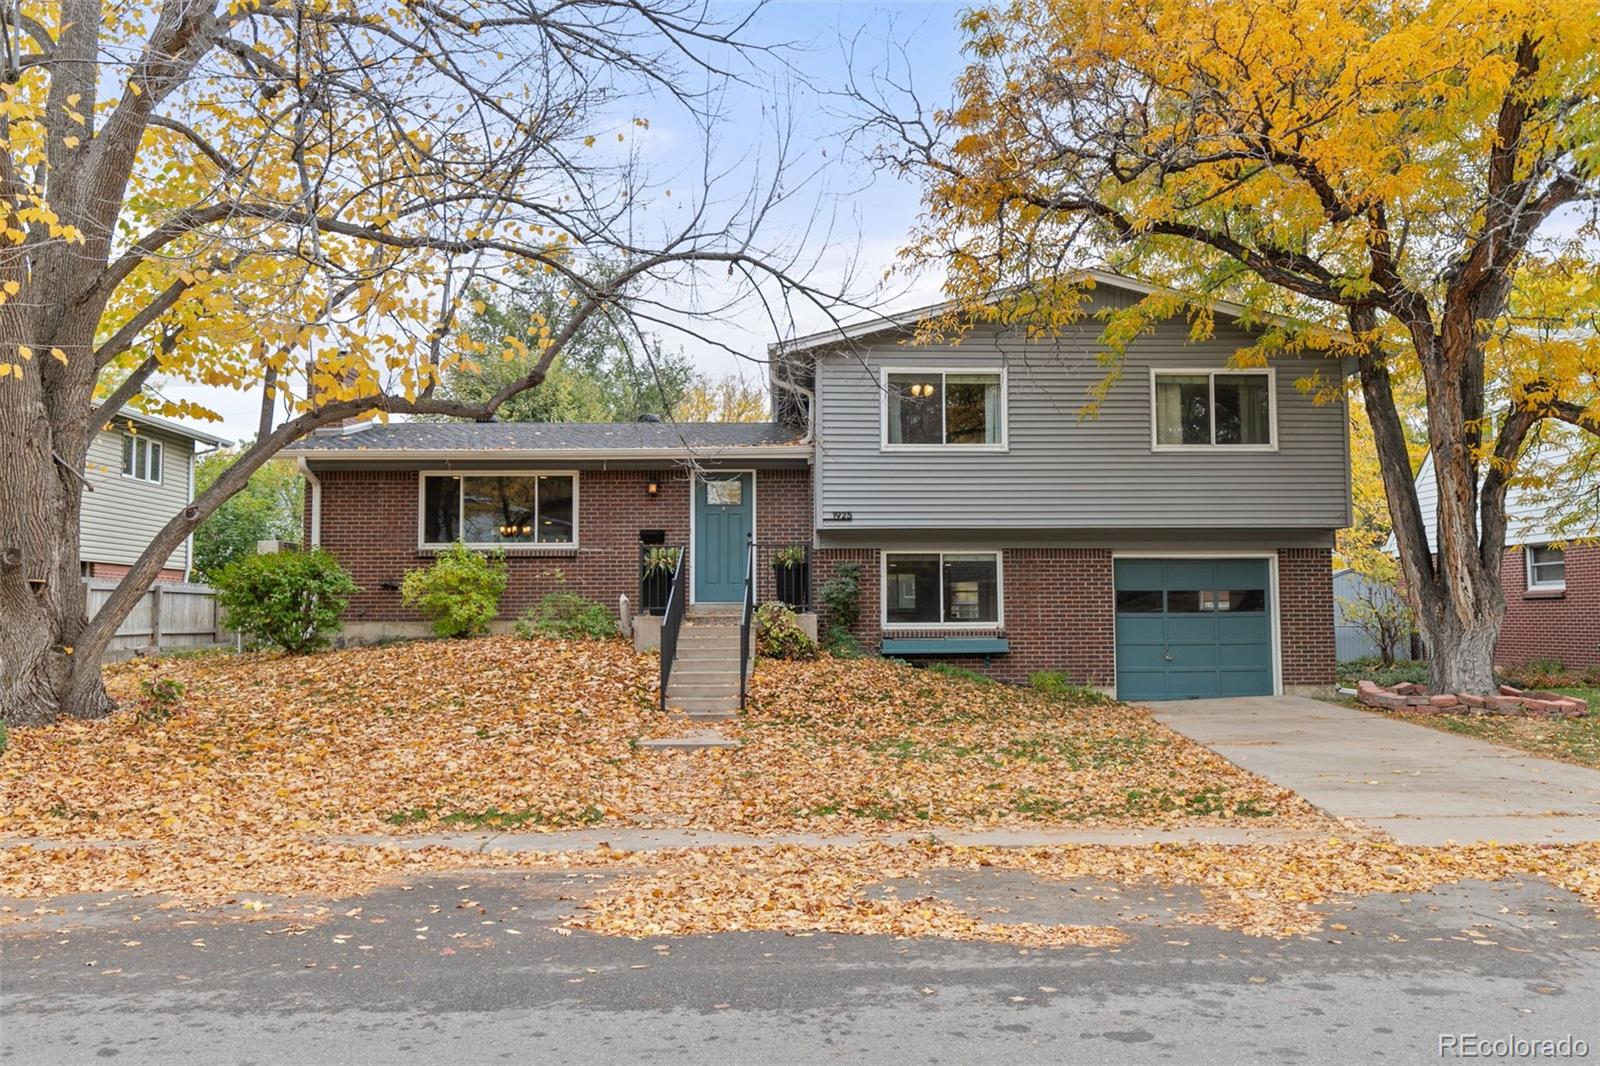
[
  {"x": 1461, "y": 656},
  {"x": 42, "y": 598}
]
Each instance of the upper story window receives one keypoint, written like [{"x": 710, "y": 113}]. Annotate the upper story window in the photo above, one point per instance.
[
  {"x": 1217, "y": 408},
  {"x": 1547, "y": 569},
  {"x": 488, "y": 510},
  {"x": 944, "y": 408},
  {"x": 141, "y": 458}
]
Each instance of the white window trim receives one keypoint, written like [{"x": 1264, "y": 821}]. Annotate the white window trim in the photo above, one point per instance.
[
  {"x": 509, "y": 548},
  {"x": 1272, "y": 409},
  {"x": 1002, "y": 445},
  {"x": 159, "y": 450},
  {"x": 904, "y": 627},
  {"x": 1542, "y": 586}
]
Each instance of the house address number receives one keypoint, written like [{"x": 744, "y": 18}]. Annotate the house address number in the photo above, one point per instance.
[{"x": 841, "y": 516}]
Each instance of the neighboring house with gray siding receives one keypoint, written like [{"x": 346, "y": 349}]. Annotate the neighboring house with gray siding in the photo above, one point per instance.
[
  {"x": 139, "y": 474},
  {"x": 1177, "y": 544}
]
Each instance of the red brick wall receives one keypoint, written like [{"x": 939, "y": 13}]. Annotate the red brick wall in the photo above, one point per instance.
[
  {"x": 1059, "y": 613},
  {"x": 369, "y": 522},
  {"x": 119, "y": 571},
  {"x": 1564, "y": 626},
  {"x": 1305, "y": 622}
]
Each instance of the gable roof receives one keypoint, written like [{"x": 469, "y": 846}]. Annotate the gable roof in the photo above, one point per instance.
[
  {"x": 905, "y": 320},
  {"x": 1533, "y": 515},
  {"x": 574, "y": 440},
  {"x": 128, "y": 414}
]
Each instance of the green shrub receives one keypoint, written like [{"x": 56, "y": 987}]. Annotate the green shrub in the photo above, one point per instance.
[
  {"x": 1369, "y": 669},
  {"x": 841, "y": 596},
  {"x": 158, "y": 699},
  {"x": 1543, "y": 673},
  {"x": 566, "y": 615},
  {"x": 460, "y": 593},
  {"x": 288, "y": 600},
  {"x": 1054, "y": 683},
  {"x": 779, "y": 636}
]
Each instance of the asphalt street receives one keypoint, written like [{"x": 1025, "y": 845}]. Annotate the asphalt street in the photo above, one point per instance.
[{"x": 470, "y": 967}]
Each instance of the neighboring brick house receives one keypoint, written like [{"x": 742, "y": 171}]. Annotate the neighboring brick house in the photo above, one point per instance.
[
  {"x": 139, "y": 473},
  {"x": 1176, "y": 545},
  {"x": 1551, "y": 570}
]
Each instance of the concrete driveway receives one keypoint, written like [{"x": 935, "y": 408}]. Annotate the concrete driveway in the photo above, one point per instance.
[{"x": 1420, "y": 785}]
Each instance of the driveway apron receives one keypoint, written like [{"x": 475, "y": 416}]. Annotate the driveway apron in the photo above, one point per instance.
[{"x": 1420, "y": 785}]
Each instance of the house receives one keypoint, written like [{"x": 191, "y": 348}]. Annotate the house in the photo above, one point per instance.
[
  {"x": 1177, "y": 545},
  {"x": 1550, "y": 573},
  {"x": 139, "y": 473}
]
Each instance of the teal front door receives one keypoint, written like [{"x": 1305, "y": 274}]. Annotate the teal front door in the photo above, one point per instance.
[
  {"x": 724, "y": 518},
  {"x": 1193, "y": 628}
]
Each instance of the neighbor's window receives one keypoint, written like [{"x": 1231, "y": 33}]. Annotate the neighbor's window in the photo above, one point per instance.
[
  {"x": 1547, "y": 568},
  {"x": 938, "y": 408},
  {"x": 499, "y": 508},
  {"x": 1213, "y": 408},
  {"x": 141, "y": 458},
  {"x": 941, "y": 588}
]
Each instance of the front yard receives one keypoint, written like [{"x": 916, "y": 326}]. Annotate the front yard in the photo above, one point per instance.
[
  {"x": 1574, "y": 740},
  {"x": 265, "y": 758}
]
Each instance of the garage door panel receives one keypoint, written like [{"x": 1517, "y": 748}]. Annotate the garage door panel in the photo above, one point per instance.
[
  {"x": 1192, "y": 685},
  {"x": 1241, "y": 629},
  {"x": 1244, "y": 682},
  {"x": 1140, "y": 574},
  {"x": 1141, "y": 657},
  {"x": 1141, "y": 629},
  {"x": 1142, "y": 684},
  {"x": 1191, "y": 629},
  {"x": 1241, "y": 573},
  {"x": 1193, "y": 657},
  {"x": 1191, "y": 574}
]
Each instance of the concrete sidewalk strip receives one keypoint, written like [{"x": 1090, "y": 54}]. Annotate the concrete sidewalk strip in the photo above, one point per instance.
[
  {"x": 627, "y": 839},
  {"x": 1422, "y": 786}
]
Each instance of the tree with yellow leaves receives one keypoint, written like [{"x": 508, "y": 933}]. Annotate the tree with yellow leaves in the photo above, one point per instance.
[
  {"x": 292, "y": 197},
  {"x": 1414, "y": 182}
]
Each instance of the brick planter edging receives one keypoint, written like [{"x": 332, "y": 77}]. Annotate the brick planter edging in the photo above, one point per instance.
[{"x": 1415, "y": 698}]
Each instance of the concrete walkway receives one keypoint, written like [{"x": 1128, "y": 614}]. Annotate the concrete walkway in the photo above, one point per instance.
[
  {"x": 1420, "y": 785},
  {"x": 623, "y": 838}
]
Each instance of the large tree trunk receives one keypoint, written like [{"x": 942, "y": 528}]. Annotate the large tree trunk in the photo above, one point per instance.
[
  {"x": 42, "y": 597},
  {"x": 1461, "y": 655}
]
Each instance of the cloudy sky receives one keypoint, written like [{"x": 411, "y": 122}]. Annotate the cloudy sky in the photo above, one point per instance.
[{"x": 866, "y": 216}]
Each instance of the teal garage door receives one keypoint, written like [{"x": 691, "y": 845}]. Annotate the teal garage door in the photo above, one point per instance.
[{"x": 1193, "y": 628}]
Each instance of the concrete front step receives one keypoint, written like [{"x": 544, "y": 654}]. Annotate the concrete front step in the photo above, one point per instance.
[
  {"x": 696, "y": 690},
  {"x": 691, "y": 740},
  {"x": 709, "y": 704},
  {"x": 704, "y": 716}
]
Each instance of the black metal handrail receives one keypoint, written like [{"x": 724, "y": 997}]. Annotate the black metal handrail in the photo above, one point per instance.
[
  {"x": 672, "y": 620},
  {"x": 746, "y": 616}
]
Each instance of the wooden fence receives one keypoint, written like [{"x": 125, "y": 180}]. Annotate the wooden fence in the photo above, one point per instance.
[{"x": 170, "y": 615}]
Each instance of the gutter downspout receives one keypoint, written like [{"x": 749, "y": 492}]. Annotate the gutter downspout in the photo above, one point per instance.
[
  {"x": 316, "y": 501},
  {"x": 188, "y": 542}
]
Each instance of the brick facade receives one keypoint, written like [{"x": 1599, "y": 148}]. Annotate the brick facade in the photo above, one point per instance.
[
  {"x": 118, "y": 571},
  {"x": 1564, "y": 626},
  {"x": 1058, "y": 609},
  {"x": 1305, "y": 620},
  {"x": 1058, "y": 602},
  {"x": 369, "y": 523}
]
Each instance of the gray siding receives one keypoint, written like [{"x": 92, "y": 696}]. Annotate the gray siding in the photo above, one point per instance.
[
  {"x": 1061, "y": 471},
  {"x": 121, "y": 516}
]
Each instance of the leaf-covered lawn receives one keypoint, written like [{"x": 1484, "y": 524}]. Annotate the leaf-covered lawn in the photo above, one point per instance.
[
  {"x": 1574, "y": 740},
  {"x": 267, "y": 755}
]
